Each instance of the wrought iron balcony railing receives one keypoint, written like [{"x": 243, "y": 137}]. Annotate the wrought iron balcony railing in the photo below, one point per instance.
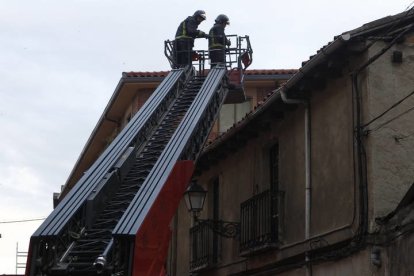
[
  {"x": 258, "y": 230},
  {"x": 204, "y": 247},
  {"x": 258, "y": 223}
]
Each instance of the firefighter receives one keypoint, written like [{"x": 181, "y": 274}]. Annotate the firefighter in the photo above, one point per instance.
[
  {"x": 217, "y": 40},
  {"x": 184, "y": 38}
]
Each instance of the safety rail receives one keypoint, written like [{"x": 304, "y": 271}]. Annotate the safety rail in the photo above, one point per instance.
[{"x": 239, "y": 56}]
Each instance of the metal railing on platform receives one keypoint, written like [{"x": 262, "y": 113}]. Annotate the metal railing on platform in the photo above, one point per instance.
[{"x": 238, "y": 56}]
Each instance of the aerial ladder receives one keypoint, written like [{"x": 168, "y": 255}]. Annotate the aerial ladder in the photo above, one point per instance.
[{"x": 115, "y": 220}]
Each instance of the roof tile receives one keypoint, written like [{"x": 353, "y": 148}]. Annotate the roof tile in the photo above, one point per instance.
[
  {"x": 254, "y": 72},
  {"x": 145, "y": 74}
]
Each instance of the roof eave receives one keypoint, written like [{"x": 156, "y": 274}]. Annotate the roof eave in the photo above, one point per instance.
[
  {"x": 276, "y": 96},
  {"x": 94, "y": 131}
]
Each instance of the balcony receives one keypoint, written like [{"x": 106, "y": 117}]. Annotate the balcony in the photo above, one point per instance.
[
  {"x": 204, "y": 247},
  {"x": 258, "y": 223},
  {"x": 257, "y": 231}
]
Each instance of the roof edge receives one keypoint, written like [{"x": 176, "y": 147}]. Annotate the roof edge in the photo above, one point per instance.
[
  {"x": 301, "y": 73},
  {"x": 94, "y": 131}
]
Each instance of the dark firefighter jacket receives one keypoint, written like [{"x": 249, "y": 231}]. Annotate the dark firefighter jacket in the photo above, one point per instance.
[
  {"x": 217, "y": 37},
  {"x": 188, "y": 29}
]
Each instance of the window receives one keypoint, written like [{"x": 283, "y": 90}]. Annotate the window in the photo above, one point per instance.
[
  {"x": 259, "y": 215},
  {"x": 232, "y": 113}
]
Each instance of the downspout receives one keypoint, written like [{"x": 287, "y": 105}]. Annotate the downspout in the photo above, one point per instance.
[
  {"x": 306, "y": 68},
  {"x": 308, "y": 184},
  {"x": 309, "y": 66}
]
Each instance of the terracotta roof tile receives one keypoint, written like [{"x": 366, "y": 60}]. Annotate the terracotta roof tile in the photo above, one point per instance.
[
  {"x": 270, "y": 71},
  {"x": 156, "y": 74},
  {"x": 254, "y": 72}
]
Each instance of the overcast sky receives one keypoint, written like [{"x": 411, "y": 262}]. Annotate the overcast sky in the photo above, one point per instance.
[{"x": 60, "y": 62}]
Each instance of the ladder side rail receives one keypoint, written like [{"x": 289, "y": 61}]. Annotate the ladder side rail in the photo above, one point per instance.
[
  {"x": 55, "y": 240},
  {"x": 164, "y": 160},
  {"x": 139, "y": 207},
  {"x": 103, "y": 164},
  {"x": 198, "y": 138},
  {"x": 72, "y": 202},
  {"x": 204, "y": 116},
  {"x": 140, "y": 123}
]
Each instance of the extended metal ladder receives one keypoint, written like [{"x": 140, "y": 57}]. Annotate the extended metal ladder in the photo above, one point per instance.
[
  {"x": 88, "y": 252},
  {"x": 92, "y": 231},
  {"x": 115, "y": 220}
]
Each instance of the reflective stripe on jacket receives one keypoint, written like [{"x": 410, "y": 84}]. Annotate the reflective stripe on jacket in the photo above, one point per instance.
[
  {"x": 217, "y": 37},
  {"x": 188, "y": 29}
]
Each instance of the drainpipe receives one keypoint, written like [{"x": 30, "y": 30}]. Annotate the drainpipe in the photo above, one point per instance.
[
  {"x": 321, "y": 57},
  {"x": 308, "y": 185}
]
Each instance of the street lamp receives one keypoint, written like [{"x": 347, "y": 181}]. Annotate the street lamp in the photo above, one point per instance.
[{"x": 194, "y": 198}]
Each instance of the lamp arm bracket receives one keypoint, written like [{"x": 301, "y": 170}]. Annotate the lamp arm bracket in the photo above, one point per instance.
[{"x": 227, "y": 229}]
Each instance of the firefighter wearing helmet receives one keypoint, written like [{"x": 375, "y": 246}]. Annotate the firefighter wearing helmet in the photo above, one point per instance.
[
  {"x": 217, "y": 41},
  {"x": 184, "y": 38}
]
